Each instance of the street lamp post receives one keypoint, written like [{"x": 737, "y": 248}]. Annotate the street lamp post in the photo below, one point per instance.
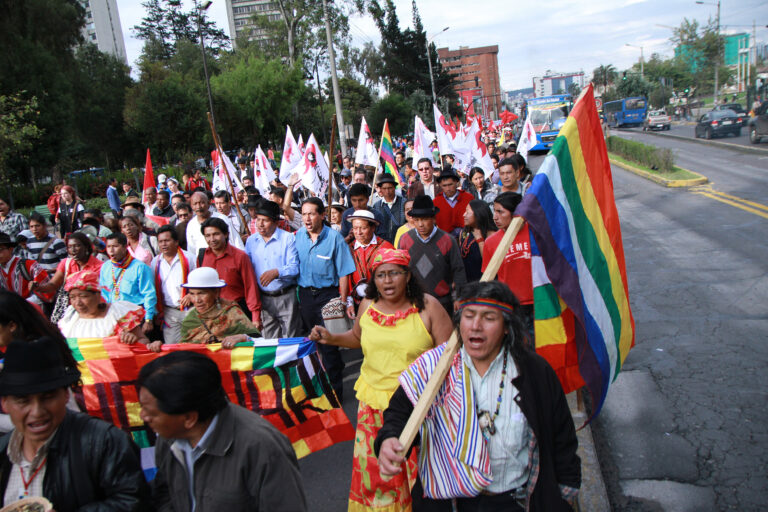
[
  {"x": 429, "y": 61},
  {"x": 642, "y": 60},
  {"x": 334, "y": 83},
  {"x": 717, "y": 57},
  {"x": 200, "y": 9}
]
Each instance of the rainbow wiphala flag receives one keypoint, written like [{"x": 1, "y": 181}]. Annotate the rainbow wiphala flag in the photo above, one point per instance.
[
  {"x": 387, "y": 155},
  {"x": 281, "y": 379},
  {"x": 583, "y": 322}
]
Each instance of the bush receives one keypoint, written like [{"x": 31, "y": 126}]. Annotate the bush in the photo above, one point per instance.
[{"x": 649, "y": 156}]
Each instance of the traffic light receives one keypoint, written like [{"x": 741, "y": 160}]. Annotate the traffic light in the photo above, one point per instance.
[
  {"x": 686, "y": 91},
  {"x": 624, "y": 75}
]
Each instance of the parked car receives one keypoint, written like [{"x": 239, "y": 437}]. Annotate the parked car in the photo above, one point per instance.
[
  {"x": 718, "y": 122},
  {"x": 657, "y": 120},
  {"x": 736, "y": 107},
  {"x": 758, "y": 125}
]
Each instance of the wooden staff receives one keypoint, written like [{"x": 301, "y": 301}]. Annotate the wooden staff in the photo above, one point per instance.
[
  {"x": 217, "y": 142},
  {"x": 452, "y": 346},
  {"x": 330, "y": 158}
]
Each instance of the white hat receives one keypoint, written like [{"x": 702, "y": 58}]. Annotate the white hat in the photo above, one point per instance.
[
  {"x": 363, "y": 215},
  {"x": 161, "y": 178},
  {"x": 204, "y": 277}
]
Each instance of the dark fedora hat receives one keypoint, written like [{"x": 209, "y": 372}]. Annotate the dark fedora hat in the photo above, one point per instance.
[
  {"x": 268, "y": 208},
  {"x": 448, "y": 172},
  {"x": 6, "y": 239},
  {"x": 35, "y": 367},
  {"x": 385, "y": 177},
  {"x": 423, "y": 207}
]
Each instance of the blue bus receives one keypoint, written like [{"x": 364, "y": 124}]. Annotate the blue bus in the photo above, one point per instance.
[
  {"x": 548, "y": 115},
  {"x": 626, "y": 112}
]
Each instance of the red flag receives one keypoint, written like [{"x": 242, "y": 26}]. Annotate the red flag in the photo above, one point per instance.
[{"x": 149, "y": 178}]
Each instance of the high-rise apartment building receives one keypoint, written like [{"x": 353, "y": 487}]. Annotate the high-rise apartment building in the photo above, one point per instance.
[
  {"x": 477, "y": 74},
  {"x": 240, "y": 13},
  {"x": 102, "y": 27}
]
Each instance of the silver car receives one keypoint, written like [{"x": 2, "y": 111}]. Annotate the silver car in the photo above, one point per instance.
[{"x": 657, "y": 120}]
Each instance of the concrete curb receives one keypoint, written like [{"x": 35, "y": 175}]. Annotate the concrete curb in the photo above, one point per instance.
[
  {"x": 701, "y": 180},
  {"x": 738, "y": 147},
  {"x": 593, "y": 496}
]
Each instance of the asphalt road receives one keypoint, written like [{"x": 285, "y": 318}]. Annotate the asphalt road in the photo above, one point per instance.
[
  {"x": 688, "y": 131},
  {"x": 685, "y": 425}
]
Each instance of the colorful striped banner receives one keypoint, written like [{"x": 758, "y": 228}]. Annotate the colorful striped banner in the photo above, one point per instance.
[
  {"x": 281, "y": 379},
  {"x": 583, "y": 321},
  {"x": 387, "y": 155}
]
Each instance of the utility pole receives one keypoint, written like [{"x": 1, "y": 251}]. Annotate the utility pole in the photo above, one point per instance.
[
  {"x": 429, "y": 62},
  {"x": 200, "y": 10},
  {"x": 717, "y": 58},
  {"x": 334, "y": 81}
]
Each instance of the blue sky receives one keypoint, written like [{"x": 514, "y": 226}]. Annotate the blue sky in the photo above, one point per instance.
[{"x": 533, "y": 37}]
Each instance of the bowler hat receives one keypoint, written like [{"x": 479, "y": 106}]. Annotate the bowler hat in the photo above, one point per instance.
[
  {"x": 268, "y": 208},
  {"x": 423, "y": 207},
  {"x": 254, "y": 201},
  {"x": 448, "y": 172},
  {"x": 203, "y": 277},
  {"x": 6, "y": 239},
  {"x": 32, "y": 367},
  {"x": 338, "y": 207}
]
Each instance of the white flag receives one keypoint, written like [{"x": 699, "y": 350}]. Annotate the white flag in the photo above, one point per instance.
[
  {"x": 300, "y": 142},
  {"x": 527, "y": 138},
  {"x": 291, "y": 155},
  {"x": 446, "y": 135},
  {"x": 422, "y": 140},
  {"x": 220, "y": 181},
  {"x": 479, "y": 156},
  {"x": 312, "y": 169},
  {"x": 263, "y": 173},
  {"x": 366, "y": 149}
]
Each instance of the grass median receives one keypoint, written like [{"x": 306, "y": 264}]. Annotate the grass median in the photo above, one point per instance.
[{"x": 676, "y": 174}]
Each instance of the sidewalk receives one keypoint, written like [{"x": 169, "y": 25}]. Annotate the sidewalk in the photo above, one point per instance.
[{"x": 592, "y": 496}]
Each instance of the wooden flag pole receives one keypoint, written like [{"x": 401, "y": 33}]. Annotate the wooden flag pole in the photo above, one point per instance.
[
  {"x": 217, "y": 142},
  {"x": 330, "y": 166},
  {"x": 452, "y": 346}
]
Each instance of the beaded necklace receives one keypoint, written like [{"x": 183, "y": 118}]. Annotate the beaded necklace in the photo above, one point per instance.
[
  {"x": 484, "y": 417},
  {"x": 123, "y": 265}
]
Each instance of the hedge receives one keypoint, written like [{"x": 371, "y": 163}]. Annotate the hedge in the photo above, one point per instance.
[{"x": 643, "y": 154}]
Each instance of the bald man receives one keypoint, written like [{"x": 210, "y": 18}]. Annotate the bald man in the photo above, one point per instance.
[{"x": 201, "y": 212}]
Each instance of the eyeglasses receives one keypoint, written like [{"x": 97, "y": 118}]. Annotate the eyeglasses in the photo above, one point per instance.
[{"x": 392, "y": 274}]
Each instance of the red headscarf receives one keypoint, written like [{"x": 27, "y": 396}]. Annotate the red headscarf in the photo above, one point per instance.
[
  {"x": 87, "y": 280},
  {"x": 394, "y": 256}
]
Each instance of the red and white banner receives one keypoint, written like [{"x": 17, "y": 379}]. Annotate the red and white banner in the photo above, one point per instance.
[
  {"x": 527, "y": 139},
  {"x": 366, "y": 149},
  {"x": 291, "y": 155},
  {"x": 263, "y": 173},
  {"x": 222, "y": 166},
  {"x": 479, "y": 156},
  {"x": 312, "y": 169},
  {"x": 422, "y": 141}
]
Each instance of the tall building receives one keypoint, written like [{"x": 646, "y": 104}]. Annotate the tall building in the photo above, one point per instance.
[
  {"x": 477, "y": 74},
  {"x": 556, "y": 83},
  {"x": 240, "y": 12},
  {"x": 102, "y": 27}
]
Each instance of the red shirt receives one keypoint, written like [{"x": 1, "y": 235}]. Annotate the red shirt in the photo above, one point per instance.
[
  {"x": 515, "y": 270},
  {"x": 450, "y": 218},
  {"x": 69, "y": 266},
  {"x": 235, "y": 268},
  {"x": 363, "y": 257},
  {"x": 192, "y": 184}
]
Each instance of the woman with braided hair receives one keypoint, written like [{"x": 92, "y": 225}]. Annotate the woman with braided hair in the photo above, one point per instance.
[{"x": 396, "y": 323}]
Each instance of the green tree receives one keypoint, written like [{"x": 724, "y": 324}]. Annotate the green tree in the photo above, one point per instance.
[
  {"x": 356, "y": 99},
  {"x": 397, "y": 110},
  {"x": 364, "y": 64},
  {"x": 604, "y": 75},
  {"x": 167, "y": 114},
  {"x": 39, "y": 37},
  {"x": 100, "y": 84},
  {"x": 166, "y": 24},
  {"x": 699, "y": 49},
  {"x": 254, "y": 97},
  {"x": 18, "y": 130}
]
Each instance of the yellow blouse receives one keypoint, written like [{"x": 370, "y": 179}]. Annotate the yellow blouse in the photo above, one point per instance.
[{"x": 387, "y": 352}]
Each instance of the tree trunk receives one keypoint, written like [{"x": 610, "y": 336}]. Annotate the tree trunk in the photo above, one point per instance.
[{"x": 32, "y": 177}]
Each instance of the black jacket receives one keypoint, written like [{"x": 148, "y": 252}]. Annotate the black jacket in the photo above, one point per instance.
[
  {"x": 92, "y": 466},
  {"x": 543, "y": 402}
]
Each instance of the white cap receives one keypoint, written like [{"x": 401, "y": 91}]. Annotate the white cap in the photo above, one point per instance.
[
  {"x": 161, "y": 178},
  {"x": 364, "y": 215},
  {"x": 204, "y": 277}
]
